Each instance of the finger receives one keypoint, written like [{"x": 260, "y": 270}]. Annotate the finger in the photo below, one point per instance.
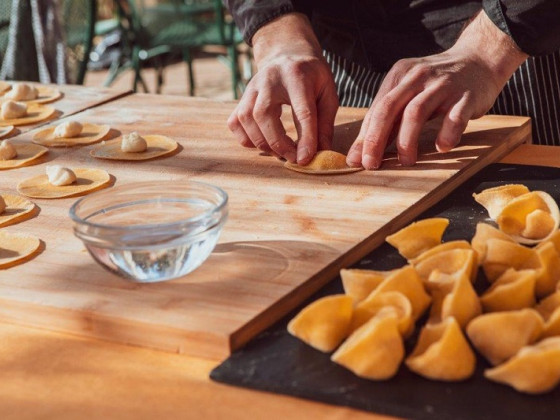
[
  {"x": 266, "y": 114},
  {"x": 237, "y": 129},
  {"x": 304, "y": 111},
  {"x": 327, "y": 106},
  {"x": 416, "y": 113},
  {"x": 247, "y": 130},
  {"x": 454, "y": 124},
  {"x": 383, "y": 116}
]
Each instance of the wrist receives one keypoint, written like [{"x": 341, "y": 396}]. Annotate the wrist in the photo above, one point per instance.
[
  {"x": 490, "y": 46},
  {"x": 290, "y": 33}
]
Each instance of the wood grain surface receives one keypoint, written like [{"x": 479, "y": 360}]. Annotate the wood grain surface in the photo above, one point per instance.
[{"x": 287, "y": 235}]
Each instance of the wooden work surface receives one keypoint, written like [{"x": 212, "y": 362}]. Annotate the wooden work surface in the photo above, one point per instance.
[
  {"x": 75, "y": 99},
  {"x": 287, "y": 235}
]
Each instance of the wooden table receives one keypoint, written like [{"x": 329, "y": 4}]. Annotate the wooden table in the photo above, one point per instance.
[
  {"x": 53, "y": 375},
  {"x": 57, "y": 375}
]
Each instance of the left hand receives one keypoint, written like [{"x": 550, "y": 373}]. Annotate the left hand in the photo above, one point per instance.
[{"x": 461, "y": 84}]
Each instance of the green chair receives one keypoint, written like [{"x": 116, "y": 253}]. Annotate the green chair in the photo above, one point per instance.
[
  {"x": 174, "y": 27},
  {"x": 78, "y": 23}
]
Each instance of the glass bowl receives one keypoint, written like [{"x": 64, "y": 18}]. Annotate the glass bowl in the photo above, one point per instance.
[{"x": 151, "y": 231}]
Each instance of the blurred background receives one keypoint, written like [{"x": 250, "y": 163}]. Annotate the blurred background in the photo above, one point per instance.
[{"x": 174, "y": 47}]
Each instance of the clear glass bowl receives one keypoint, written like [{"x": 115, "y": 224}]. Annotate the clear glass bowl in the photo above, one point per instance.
[{"x": 151, "y": 231}]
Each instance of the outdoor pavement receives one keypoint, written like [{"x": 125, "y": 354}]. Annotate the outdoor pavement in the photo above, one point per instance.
[{"x": 212, "y": 78}]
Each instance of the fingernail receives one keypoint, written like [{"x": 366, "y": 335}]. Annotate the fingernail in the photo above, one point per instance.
[
  {"x": 354, "y": 158},
  {"x": 370, "y": 162},
  {"x": 303, "y": 154},
  {"x": 406, "y": 161},
  {"x": 291, "y": 157}
]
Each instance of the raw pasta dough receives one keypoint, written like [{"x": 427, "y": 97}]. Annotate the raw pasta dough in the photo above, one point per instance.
[
  {"x": 22, "y": 92},
  {"x": 133, "y": 143}
]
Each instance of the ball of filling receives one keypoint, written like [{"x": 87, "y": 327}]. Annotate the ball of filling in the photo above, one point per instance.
[
  {"x": 11, "y": 110},
  {"x": 7, "y": 150},
  {"x": 2, "y": 205},
  {"x": 59, "y": 175},
  {"x": 22, "y": 92},
  {"x": 133, "y": 143},
  {"x": 68, "y": 129}
]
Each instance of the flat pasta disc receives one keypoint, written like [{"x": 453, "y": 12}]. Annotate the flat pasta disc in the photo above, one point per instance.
[
  {"x": 35, "y": 113},
  {"x": 87, "y": 180},
  {"x": 17, "y": 209},
  {"x": 325, "y": 162},
  {"x": 91, "y": 133},
  {"x": 27, "y": 153},
  {"x": 16, "y": 248},
  {"x": 45, "y": 95},
  {"x": 157, "y": 146},
  {"x": 5, "y": 131}
]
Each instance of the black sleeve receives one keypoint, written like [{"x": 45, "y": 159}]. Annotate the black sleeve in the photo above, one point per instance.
[
  {"x": 250, "y": 15},
  {"x": 534, "y": 25}
]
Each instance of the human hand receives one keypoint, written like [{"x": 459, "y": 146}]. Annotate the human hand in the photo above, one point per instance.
[
  {"x": 291, "y": 71},
  {"x": 461, "y": 84}
]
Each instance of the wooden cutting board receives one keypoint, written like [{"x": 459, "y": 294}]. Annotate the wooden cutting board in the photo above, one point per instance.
[{"x": 287, "y": 234}]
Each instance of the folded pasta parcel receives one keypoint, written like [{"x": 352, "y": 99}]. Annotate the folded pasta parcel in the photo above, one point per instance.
[
  {"x": 516, "y": 328},
  {"x": 534, "y": 369},
  {"x": 375, "y": 350},
  {"x": 442, "y": 353},
  {"x": 325, "y": 323},
  {"x": 359, "y": 283},
  {"x": 418, "y": 237}
]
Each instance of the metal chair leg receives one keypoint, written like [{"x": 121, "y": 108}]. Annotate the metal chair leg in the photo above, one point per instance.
[{"x": 187, "y": 58}]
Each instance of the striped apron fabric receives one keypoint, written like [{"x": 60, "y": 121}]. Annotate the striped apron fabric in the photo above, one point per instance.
[{"x": 533, "y": 91}]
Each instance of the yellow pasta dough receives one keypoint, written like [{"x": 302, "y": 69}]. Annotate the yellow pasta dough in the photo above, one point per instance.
[
  {"x": 446, "y": 246},
  {"x": 7, "y": 150},
  {"x": 485, "y": 232},
  {"x": 448, "y": 262},
  {"x": 90, "y": 133},
  {"x": 386, "y": 301},
  {"x": 26, "y": 154},
  {"x": 549, "y": 308},
  {"x": 496, "y": 198},
  {"x": 87, "y": 180},
  {"x": 548, "y": 275},
  {"x": 534, "y": 369},
  {"x": 418, "y": 237},
  {"x": 157, "y": 146},
  {"x": 502, "y": 255},
  {"x": 35, "y": 114},
  {"x": 375, "y": 350},
  {"x": 530, "y": 218},
  {"x": 17, "y": 209},
  {"x": 512, "y": 290},
  {"x": 17, "y": 248},
  {"x": 325, "y": 323},
  {"x": 325, "y": 162},
  {"x": 442, "y": 353},
  {"x": 360, "y": 283},
  {"x": 406, "y": 281},
  {"x": 516, "y": 329},
  {"x": 457, "y": 299}
]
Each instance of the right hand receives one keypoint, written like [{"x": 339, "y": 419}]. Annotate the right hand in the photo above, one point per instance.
[{"x": 291, "y": 71}]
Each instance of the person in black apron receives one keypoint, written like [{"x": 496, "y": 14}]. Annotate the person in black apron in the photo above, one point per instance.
[{"x": 407, "y": 60}]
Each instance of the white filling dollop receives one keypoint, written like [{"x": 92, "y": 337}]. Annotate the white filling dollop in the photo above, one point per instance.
[
  {"x": 2, "y": 205},
  {"x": 22, "y": 92},
  {"x": 68, "y": 129},
  {"x": 133, "y": 143},
  {"x": 11, "y": 110},
  {"x": 7, "y": 150},
  {"x": 59, "y": 175}
]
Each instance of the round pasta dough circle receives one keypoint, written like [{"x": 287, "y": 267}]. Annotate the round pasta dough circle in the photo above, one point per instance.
[
  {"x": 17, "y": 248},
  {"x": 27, "y": 154},
  {"x": 17, "y": 209},
  {"x": 88, "y": 180},
  {"x": 35, "y": 113},
  {"x": 158, "y": 146},
  {"x": 91, "y": 133}
]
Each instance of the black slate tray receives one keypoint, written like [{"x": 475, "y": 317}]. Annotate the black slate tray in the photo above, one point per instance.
[{"x": 277, "y": 362}]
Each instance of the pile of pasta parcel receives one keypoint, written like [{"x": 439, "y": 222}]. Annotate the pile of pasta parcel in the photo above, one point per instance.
[{"x": 514, "y": 324}]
